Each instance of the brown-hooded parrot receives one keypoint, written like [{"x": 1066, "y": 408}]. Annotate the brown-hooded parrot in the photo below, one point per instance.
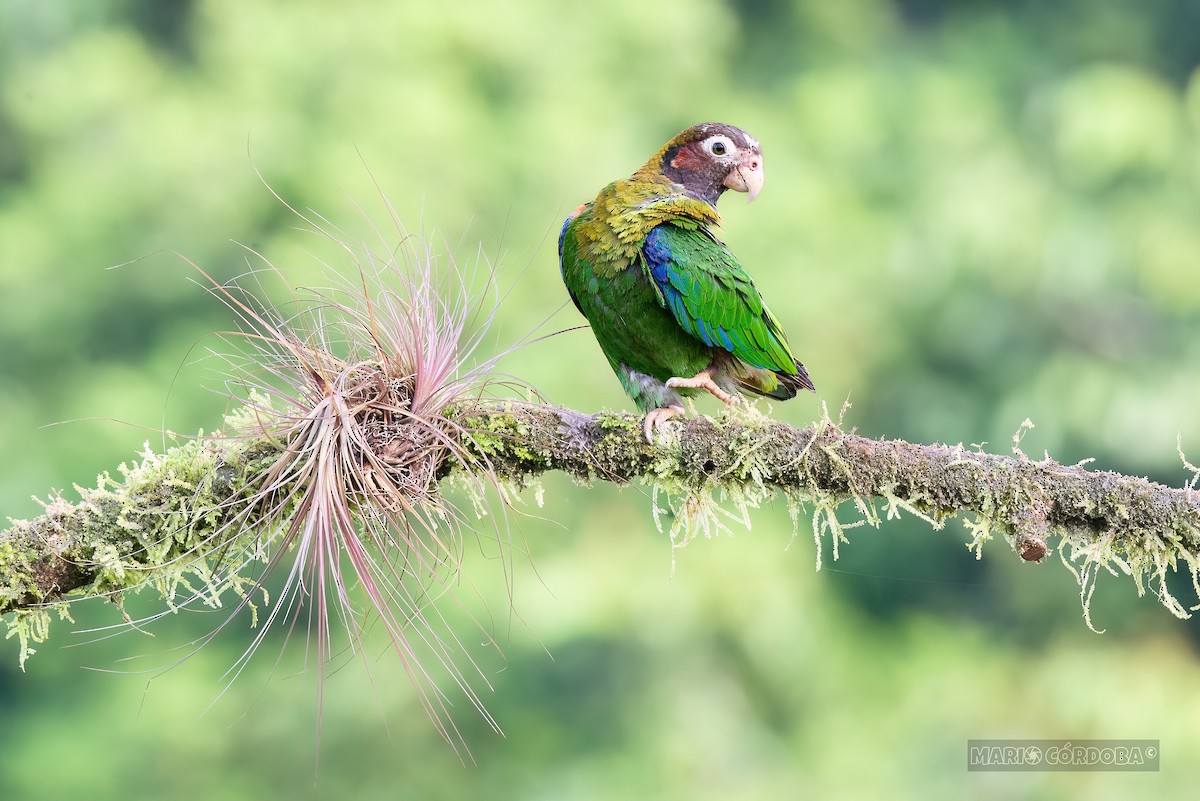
[{"x": 670, "y": 305}]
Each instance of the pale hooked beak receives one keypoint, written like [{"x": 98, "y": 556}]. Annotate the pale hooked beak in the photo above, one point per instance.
[{"x": 747, "y": 176}]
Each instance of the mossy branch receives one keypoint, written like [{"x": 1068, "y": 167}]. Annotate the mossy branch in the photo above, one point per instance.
[{"x": 166, "y": 523}]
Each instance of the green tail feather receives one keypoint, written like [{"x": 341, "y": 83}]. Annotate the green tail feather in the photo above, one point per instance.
[{"x": 781, "y": 386}]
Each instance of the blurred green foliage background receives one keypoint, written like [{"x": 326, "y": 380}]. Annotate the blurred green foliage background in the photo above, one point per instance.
[{"x": 975, "y": 212}]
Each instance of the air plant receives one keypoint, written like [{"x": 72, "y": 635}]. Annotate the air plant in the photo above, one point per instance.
[{"x": 356, "y": 382}]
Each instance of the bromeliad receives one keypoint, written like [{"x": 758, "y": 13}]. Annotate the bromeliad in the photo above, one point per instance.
[{"x": 673, "y": 310}]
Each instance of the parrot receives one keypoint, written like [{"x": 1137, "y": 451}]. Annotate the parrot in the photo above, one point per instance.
[{"x": 671, "y": 307}]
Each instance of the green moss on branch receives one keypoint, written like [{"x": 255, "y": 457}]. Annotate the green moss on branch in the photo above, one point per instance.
[
  {"x": 173, "y": 517},
  {"x": 164, "y": 524}
]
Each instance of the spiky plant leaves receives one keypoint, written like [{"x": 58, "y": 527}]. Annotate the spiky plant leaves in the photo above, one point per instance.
[{"x": 355, "y": 380}]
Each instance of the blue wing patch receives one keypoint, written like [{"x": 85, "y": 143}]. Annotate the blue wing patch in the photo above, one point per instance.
[
  {"x": 660, "y": 262},
  {"x": 672, "y": 285}
]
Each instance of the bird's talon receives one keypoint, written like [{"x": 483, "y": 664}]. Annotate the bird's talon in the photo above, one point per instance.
[
  {"x": 655, "y": 419},
  {"x": 702, "y": 380}
]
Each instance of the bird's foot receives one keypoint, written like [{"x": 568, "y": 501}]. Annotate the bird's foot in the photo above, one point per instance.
[
  {"x": 656, "y": 417},
  {"x": 702, "y": 380}
]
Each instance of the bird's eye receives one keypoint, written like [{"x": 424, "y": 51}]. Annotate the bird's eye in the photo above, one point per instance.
[{"x": 717, "y": 148}]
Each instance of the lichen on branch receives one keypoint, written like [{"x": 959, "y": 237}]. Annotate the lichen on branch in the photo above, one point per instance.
[
  {"x": 1104, "y": 520},
  {"x": 166, "y": 523}
]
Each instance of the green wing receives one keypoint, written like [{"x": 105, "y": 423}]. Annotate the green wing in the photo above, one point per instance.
[{"x": 712, "y": 298}]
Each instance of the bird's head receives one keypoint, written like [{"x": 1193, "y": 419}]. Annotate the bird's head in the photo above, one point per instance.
[{"x": 709, "y": 158}]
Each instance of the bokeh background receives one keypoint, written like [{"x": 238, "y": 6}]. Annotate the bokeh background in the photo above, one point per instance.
[{"x": 975, "y": 212}]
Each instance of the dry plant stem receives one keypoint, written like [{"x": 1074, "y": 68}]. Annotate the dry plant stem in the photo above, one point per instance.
[{"x": 67, "y": 549}]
